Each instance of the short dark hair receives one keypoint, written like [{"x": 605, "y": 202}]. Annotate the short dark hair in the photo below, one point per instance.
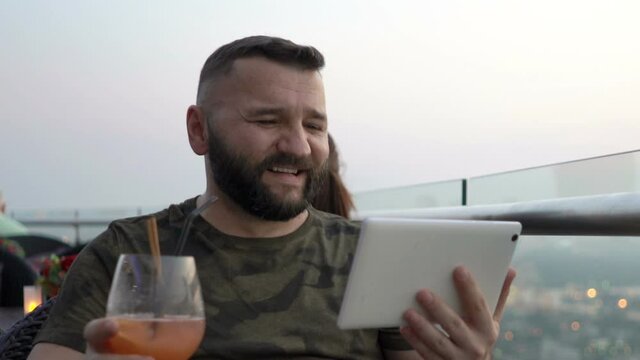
[{"x": 276, "y": 49}]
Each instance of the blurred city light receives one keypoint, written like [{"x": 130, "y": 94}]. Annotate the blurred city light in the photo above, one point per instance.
[
  {"x": 508, "y": 335},
  {"x": 622, "y": 303},
  {"x": 575, "y": 326}
]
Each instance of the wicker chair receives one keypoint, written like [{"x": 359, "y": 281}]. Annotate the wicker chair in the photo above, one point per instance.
[{"x": 16, "y": 343}]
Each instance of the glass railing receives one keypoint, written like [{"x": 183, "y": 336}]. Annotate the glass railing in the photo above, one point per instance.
[
  {"x": 75, "y": 226},
  {"x": 446, "y": 193},
  {"x": 601, "y": 175},
  {"x": 574, "y": 297}
]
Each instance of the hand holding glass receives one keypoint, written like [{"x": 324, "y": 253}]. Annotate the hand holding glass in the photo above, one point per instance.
[{"x": 157, "y": 305}]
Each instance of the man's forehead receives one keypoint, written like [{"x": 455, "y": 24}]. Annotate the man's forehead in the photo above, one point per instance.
[
  {"x": 267, "y": 80},
  {"x": 261, "y": 71}
]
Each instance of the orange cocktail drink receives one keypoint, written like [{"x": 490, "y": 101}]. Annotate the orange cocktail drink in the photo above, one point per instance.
[
  {"x": 164, "y": 339},
  {"x": 157, "y": 303}
]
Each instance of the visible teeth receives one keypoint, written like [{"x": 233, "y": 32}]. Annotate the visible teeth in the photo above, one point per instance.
[{"x": 284, "y": 170}]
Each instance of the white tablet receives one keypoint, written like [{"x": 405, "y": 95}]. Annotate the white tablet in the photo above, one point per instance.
[{"x": 396, "y": 257}]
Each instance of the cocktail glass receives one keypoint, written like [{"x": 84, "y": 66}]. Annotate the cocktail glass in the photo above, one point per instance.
[{"x": 157, "y": 303}]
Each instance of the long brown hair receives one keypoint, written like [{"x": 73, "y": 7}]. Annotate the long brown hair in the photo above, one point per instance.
[{"x": 334, "y": 197}]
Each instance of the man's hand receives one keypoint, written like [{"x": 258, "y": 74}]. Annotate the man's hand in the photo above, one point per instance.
[
  {"x": 97, "y": 334},
  {"x": 471, "y": 336}
]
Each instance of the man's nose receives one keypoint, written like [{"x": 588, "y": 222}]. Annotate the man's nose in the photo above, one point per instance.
[{"x": 294, "y": 141}]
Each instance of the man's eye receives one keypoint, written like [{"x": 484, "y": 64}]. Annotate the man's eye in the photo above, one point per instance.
[
  {"x": 315, "y": 127},
  {"x": 266, "y": 122}
]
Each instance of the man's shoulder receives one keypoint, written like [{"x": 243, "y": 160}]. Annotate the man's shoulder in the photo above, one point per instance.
[
  {"x": 133, "y": 229},
  {"x": 174, "y": 215},
  {"x": 335, "y": 225}
]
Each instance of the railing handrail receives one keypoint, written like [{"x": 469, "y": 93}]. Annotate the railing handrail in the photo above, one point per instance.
[
  {"x": 73, "y": 222},
  {"x": 596, "y": 215}
]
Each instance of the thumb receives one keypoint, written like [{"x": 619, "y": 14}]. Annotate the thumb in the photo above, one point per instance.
[{"x": 97, "y": 333}]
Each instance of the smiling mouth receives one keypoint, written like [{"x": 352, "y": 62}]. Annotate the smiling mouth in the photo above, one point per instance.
[{"x": 284, "y": 170}]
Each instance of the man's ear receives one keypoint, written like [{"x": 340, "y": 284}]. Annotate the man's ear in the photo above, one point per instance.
[{"x": 197, "y": 130}]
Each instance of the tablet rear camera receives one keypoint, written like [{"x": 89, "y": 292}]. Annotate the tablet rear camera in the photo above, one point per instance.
[{"x": 514, "y": 237}]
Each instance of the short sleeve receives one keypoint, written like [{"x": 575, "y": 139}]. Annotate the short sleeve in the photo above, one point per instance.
[
  {"x": 83, "y": 296},
  {"x": 391, "y": 339}
]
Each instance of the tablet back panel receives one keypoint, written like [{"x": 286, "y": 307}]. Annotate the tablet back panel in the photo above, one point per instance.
[{"x": 397, "y": 257}]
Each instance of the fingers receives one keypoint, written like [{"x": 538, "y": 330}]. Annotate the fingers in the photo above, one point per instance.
[
  {"x": 472, "y": 301},
  {"x": 504, "y": 294},
  {"x": 418, "y": 345},
  {"x": 95, "y": 356},
  {"x": 426, "y": 339},
  {"x": 472, "y": 333},
  {"x": 438, "y": 312},
  {"x": 98, "y": 332}
]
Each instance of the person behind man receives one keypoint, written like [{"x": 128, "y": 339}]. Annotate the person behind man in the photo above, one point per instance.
[
  {"x": 272, "y": 268},
  {"x": 333, "y": 196},
  {"x": 8, "y": 226}
]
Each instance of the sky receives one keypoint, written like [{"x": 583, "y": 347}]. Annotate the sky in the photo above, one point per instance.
[{"x": 93, "y": 94}]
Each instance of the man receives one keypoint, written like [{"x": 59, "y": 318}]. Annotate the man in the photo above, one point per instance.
[{"x": 272, "y": 268}]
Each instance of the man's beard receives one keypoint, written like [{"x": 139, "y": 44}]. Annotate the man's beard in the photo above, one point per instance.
[{"x": 242, "y": 182}]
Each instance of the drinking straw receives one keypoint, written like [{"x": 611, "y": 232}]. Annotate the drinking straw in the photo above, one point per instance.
[
  {"x": 156, "y": 281},
  {"x": 154, "y": 243},
  {"x": 189, "y": 221}
]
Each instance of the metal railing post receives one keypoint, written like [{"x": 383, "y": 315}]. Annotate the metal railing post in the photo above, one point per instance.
[{"x": 76, "y": 225}]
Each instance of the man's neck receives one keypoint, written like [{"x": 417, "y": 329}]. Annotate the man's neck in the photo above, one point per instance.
[{"x": 229, "y": 218}]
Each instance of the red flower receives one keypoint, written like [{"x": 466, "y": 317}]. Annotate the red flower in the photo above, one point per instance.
[
  {"x": 66, "y": 261},
  {"x": 53, "y": 271}
]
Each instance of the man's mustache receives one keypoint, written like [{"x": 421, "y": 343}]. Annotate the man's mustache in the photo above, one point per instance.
[{"x": 282, "y": 159}]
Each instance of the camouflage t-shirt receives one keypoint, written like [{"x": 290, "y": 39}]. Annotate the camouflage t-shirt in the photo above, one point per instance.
[{"x": 270, "y": 298}]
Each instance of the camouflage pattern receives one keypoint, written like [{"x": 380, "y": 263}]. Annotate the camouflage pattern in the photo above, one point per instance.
[{"x": 271, "y": 298}]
